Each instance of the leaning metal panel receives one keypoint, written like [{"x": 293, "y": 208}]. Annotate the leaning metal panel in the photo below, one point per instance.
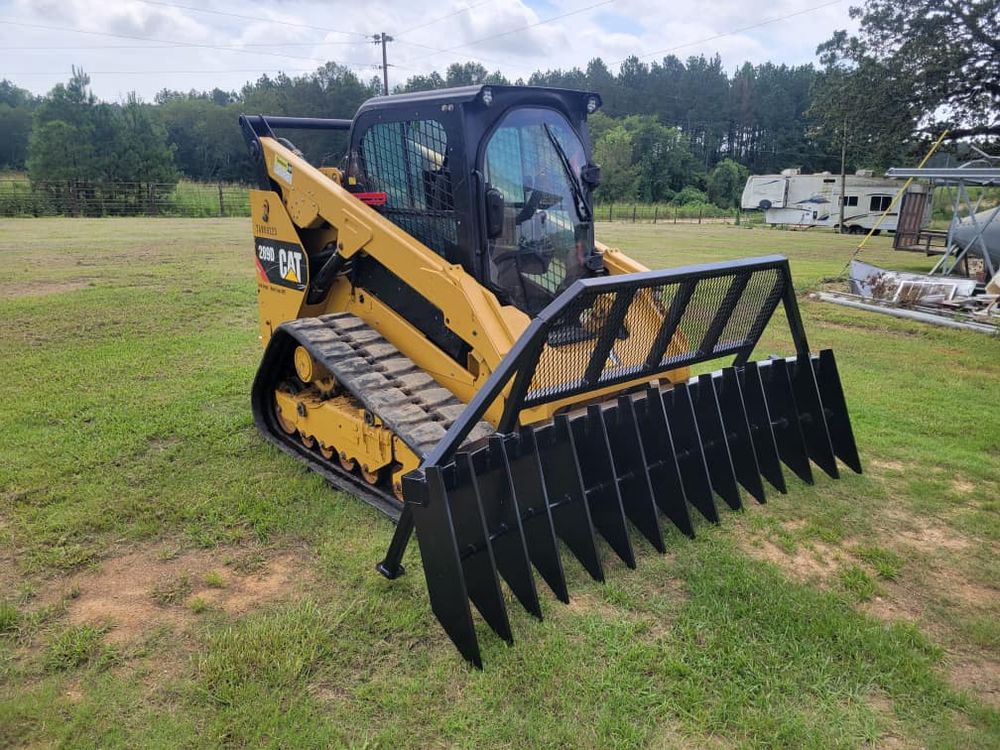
[{"x": 605, "y": 471}]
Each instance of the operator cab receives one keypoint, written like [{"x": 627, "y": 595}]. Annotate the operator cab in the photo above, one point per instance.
[{"x": 495, "y": 178}]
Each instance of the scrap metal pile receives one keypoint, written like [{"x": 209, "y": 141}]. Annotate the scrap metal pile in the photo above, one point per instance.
[{"x": 951, "y": 301}]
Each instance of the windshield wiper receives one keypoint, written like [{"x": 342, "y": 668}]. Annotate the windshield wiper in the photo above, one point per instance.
[{"x": 582, "y": 209}]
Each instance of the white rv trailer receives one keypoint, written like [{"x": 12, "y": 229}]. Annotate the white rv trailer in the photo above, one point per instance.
[{"x": 813, "y": 200}]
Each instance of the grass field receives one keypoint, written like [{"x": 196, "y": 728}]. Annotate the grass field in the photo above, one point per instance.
[{"x": 167, "y": 579}]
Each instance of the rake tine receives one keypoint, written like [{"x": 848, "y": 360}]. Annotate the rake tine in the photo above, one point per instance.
[
  {"x": 814, "y": 427},
  {"x": 503, "y": 523},
  {"x": 442, "y": 565},
  {"x": 835, "y": 408},
  {"x": 564, "y": 486},
  {"x": 714, "y": 443},
  {"x": 738, "y": 437},
  {"x": 475, "y": 548},
  {"x": 785, "y": 418},
  {"x": 524, "y": 477},
  {"x": 679, "y": 411},
  {"x": 664, "y": 474},
  {"x": 590, "y": 441},
  {"x": 762, "y": 431},
  {"x": 631, "y": 468}
]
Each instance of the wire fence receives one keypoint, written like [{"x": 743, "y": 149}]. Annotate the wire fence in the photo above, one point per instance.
[
  {"x": 666, "y": 213},
  {"x": 87, "y": 198},
  {"x": 186, "y": 199}
]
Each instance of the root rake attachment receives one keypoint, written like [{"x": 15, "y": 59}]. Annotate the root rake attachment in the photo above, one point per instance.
[{"x": 495, "y": 510}]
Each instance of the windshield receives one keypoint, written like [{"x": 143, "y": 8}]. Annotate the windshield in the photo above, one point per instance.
[{"x": 534, "y": 159}]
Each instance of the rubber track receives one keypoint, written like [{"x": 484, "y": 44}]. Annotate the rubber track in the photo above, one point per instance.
[{"x": 413, "y": 405}]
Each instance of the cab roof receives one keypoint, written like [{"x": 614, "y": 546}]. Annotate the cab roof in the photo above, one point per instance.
[{"x": 466, "y": 94}]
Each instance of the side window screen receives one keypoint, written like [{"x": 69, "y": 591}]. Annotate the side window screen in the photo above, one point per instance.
[
  {"x": 408, "y": 161},
  {"x": 879, "y": 203},
  {"x": 850, "y": 200}
]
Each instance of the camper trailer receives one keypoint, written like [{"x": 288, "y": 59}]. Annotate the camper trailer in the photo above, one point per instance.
[{"x": 813, "y": 200}]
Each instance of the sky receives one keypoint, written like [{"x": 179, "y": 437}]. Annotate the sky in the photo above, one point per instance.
[{"x": 147, "y": 45}]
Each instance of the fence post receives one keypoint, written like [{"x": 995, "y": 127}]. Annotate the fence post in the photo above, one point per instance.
[
  {"x": 700, "y": 209},
  {"x": 633, "y": 213},
  {"x": 737, "y": 212},
  {"x": 656, "y": 210},
  {"x": 675, "y": 214},
  {"x": 222, "y": 205},
  {"x": 610, "y": 206},
  {"x": 150, "y": 206}
]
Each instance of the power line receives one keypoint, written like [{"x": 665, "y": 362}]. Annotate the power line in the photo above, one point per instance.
[
  {"x": 443, "y": 18},
  {"x": 104, "y": 47},
  {"x": 195, "y": 45},
  {"x": 765, "y": 22},
  {"x": 156, "y": 72},
  {"x": 252, "y": 18}
]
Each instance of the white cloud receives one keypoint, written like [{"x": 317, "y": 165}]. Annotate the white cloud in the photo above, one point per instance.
[{"x": 612, "y": 31}]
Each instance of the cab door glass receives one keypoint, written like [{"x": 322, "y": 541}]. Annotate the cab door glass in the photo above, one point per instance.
[{"x": 534, "y": 159}]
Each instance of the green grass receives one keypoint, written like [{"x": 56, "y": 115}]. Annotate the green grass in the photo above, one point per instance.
[
  {"x": 76, "y": 646},
  {"x": 125, "y": 365}
]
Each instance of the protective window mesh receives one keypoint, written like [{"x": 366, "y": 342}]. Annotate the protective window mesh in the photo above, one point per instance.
[
  {"x": 607, "y": 337},
  {"x": 408, "y": 161}
]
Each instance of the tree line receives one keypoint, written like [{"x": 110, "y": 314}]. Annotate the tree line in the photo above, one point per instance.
[{"x": 685, "y": 131}]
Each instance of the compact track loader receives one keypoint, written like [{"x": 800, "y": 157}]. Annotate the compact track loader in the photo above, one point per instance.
[{"x": 444, "y": 338}]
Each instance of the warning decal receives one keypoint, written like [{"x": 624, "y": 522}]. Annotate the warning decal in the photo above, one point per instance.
[
  {"x": 282, "y": 263},
  {"x": 282, "y": 169}
]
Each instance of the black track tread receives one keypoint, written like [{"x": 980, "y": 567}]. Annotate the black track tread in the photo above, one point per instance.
[{"x": 383, "y": 380}]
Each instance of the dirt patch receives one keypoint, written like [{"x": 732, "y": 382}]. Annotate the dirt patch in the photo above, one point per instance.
[
  {"x": 971, "y": 594},
  {"x": 962, "y": 487},
  {"x": 893, "y": 738},
  {"x": 979, "y": 675},
  {"x": 40, "y": 288},
  {"x": 147, "y": 589},
  {"x": 819, "y": 561},
  {"x": 587, "y": 604},
  {"x": 928, "y": 536},
  {"x": 896, "y": 604},
  {"x": 886, "y": 465},
  {"x": 241, "y": 592}
]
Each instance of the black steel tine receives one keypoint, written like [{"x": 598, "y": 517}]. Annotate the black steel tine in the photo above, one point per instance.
[
  {"x": 564, "y": 486},
  {"x": 593, "y": 451},
  {"x": 785, "y": 418},
  {"x": 838, "y": 419},
  {"x": 810, "y": 405},
  {"x": 524, "y": 475},
  {"x": 679, "y": 411},
  {"x": 762, "y": 432},
  {"x": 734, "y": 419},
  {"x": 661, "y": 460},
  {"x": 442, "y": 565},
  {"x": 503, "y": 523},
  {"x": 713, "y": 441},
  {"x": 474, "y": 546},
  {"x": 630, "y": 467}
]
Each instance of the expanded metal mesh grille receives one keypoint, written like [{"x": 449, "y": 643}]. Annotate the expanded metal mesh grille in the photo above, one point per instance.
[
  {"x": 408, "y": 161},
  {"x": 607, "y": 337}
]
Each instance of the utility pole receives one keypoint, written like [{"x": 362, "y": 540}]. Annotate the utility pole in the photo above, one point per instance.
[
  {"x": 382, "y": 39},
  {"x": 843, "y": 175}
]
